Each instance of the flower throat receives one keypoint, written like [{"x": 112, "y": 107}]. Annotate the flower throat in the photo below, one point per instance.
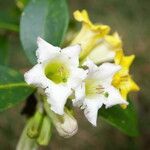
[{"x": 57, "y": 71}]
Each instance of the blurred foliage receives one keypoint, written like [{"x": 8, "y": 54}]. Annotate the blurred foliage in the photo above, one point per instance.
[
  {"x": 3, "y": 50},
  {"x": 9, "y": 15},
  {"x": 131, "y": 20},
  {"x": 125, "y": 120},
  {"x": 13, "y": 88}
]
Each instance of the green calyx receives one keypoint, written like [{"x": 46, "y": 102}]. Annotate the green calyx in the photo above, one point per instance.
[
  {"x": 45, "y": 133},
  {"x": 57, "y": 71}
]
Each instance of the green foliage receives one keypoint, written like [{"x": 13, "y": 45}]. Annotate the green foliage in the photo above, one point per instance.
[
  {"x": 9, "y": 15},
  {"x": 123, "y": 119},
  {"x": 3, "y": 51},
  {"x": 47, "y": 19},
  {"x": 13, "y": 89}
]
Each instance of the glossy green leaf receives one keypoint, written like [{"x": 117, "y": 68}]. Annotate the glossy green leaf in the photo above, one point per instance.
[
  {"x": 13, "y": 89},
  {"x": 123, "y": 119},
  {"x": 45, "y": 18}
]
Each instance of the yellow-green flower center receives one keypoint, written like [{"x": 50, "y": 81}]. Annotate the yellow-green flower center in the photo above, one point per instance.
[
  {"x": 92, "y": 88},
  {"x": 57, "y": 71}
]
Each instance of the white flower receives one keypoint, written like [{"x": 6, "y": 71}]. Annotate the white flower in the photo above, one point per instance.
[
  {"x": 57, "y": 73},
  {"x": 97, "y": 90}
]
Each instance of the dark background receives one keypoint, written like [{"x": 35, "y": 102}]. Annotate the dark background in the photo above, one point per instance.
[{"x": 131, "y": 19}]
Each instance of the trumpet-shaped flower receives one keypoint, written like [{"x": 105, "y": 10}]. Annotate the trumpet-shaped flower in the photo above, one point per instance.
[
  {"x": 122, "y": 79},
  {"x": 98, "y": 90},
  {"x": 89, "y": 33},
  {"x": 106, "y": 49},
  {"x": 56, "y": 72}
]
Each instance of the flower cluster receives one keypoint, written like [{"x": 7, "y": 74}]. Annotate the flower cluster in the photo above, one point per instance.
[{"x": 91, "y": 72}]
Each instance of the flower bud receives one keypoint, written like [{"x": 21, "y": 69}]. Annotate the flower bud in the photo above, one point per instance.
[
  {"x": 45, "y": 133},
  {"x": 35, "y": 124},
  {"x": 66, "y": 125},
  {"x": 25, "y": 142}
]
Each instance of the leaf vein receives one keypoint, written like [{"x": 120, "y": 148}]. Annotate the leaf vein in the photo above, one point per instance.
[{"x": 12, "y": 85}]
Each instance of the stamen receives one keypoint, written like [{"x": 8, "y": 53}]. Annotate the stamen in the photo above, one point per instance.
[
  {"x": 124, "y": 78},
  {"x": 92, "y": 87},
  {"x": 99, "y": 89},
  {"x": 60, "y": 70}
]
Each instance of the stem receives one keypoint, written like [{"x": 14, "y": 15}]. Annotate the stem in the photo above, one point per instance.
[{"x": 8, "y": 26}]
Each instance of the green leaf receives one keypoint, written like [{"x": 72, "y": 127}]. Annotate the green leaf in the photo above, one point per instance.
[
  {"x": 3, "y": 50},
  {"x": 13, "y": 89},
  {"x": 123, "y": 119},
  {"x": 45, "y": 18}
]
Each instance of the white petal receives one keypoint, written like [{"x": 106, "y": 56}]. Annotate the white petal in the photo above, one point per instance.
[
  {"x": 77, "y": 75},
  {"x": 57, "y": 96},
  {"x": 46, "y": 51},
  {"x": 72, "y": 52},
  {"x": 114, "y": 96},
  {"x": 91, "y": 66},
  {"x": 106, "y": 72},
  {"x": 91, "y": 109},
  {"x": 36, "y": 76},
  {"x": 79, "y": 95}
]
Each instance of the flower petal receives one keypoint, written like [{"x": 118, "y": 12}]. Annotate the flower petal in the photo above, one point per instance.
[
  {"x": 45, "y": 50},
  {"x": 77, "y": 75},
  {"x": 57, "y": 95},
  {"x": 36, "y": 76},
  {"x": 79, "y": 95},
  {"x": 82, "y": 16},
  {"x": 104, "y": 72},
  {"x": 91, "y": 66},
  {"x": 91, "y": 109},
  {"x": 113, "y": 97},
  {"x": 72, "y": 52},
  {"x": 114, "y": 40}
]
